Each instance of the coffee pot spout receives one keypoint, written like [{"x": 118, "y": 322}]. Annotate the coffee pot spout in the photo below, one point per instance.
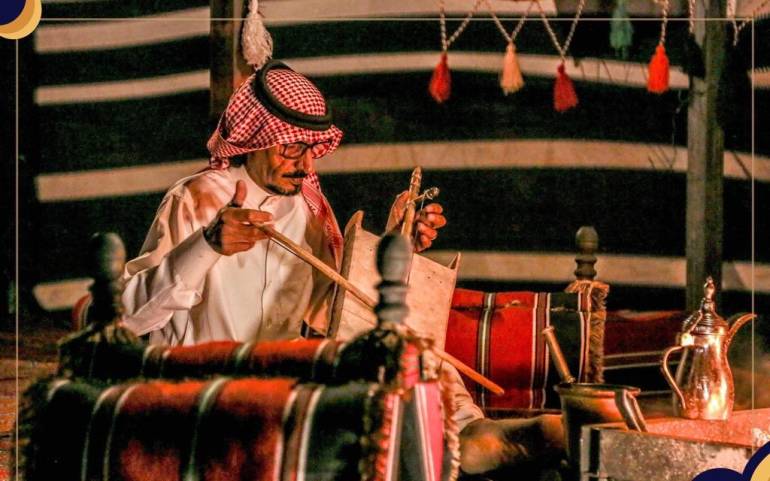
[{"x": 736, "y": 322}]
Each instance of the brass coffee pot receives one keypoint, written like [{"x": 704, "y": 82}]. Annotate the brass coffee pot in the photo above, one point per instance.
[{"x": 703, "y": 388}]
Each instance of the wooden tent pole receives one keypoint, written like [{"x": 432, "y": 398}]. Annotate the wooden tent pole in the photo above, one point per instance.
[
  {"x": 228, "y": 68},
  {"x": 705, "y": 156}
]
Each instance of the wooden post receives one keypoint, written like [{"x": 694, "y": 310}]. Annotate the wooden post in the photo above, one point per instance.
[
  {"x": 587, "y": 242},
  {"x": 393, "y": 259},
  {"x": 228, "y": 68},
  {"x": 705, "y": 156},
  {"x": 100, "y": 328},
  {"x": 107, "y": 257}
]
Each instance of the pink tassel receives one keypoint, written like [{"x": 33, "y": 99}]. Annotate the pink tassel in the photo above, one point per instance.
[
  {"x": 564, "y": 96},
  {"x": 511, "y": 80},
  {"x": 441, "y": 82}
]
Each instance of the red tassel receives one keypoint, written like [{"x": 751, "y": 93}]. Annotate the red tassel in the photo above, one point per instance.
[
  {"x": 657, "y": 80},
  {"x": 441, "y": 82},
  {"x": 564, "y": 96}
]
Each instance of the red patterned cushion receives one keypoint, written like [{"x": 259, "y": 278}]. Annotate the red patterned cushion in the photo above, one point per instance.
[{"x": 499, "y": 335}]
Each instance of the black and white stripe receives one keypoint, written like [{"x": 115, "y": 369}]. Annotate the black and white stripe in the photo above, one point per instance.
[{"x": 123, "y": 112}]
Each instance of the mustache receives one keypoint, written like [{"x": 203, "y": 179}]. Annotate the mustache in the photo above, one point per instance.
[{"x": 299, "y": 174}]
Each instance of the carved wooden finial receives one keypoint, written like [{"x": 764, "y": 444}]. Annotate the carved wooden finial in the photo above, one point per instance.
[
  {"x": 394, "y": 256},
  {"x": 79, "y": 351},
  {"x": 587, "y": 241},
  {"x": 106, "y": 258}
]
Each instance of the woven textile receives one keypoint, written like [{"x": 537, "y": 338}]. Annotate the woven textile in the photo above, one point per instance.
[
  {"x": 634, "y": 346},
  {"x": 224, "y": 429},
  {"x": 499, "y": 335},
  {"x": 246, "y": 125},
  {"x": 346, "y": 408},
  {"x": 305, "y": 360}
]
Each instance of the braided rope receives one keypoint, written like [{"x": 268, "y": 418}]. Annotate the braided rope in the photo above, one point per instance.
[
  {"x": 451, "y": 429},
  {"x": 691, "y": 14},
  {"x": 664, "y": 13},
  {"x": 737, "y": 27},
  {"x": 447, "y": 42},
  {"x": 370, "y": 439},
  {"x": 559, "y": 48},
  {"x": 510, "y": 38}
]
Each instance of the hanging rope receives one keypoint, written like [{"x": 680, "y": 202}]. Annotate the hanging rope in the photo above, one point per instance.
[
  {"x": 691, "y": 14},
  {"x": 447, "y": 42},
  {"x": 562, "y": 49},
  {"x": 564, "y": 95},
  {"x": 658, "y": 70},
  {"x": 510, "y": 37},
  {"x": 440, "y": 86},
  {"x": 737, "y": 27},
  {"x": 511, "y": 79}
]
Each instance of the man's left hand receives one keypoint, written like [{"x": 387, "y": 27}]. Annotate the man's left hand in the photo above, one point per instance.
[{"x": 426, "y": 222}]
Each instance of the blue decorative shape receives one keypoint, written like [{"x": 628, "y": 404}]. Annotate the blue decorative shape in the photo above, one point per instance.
[
  {"x": 719, "y": 474},
  {"x": 10, "y": 10},
  {"x": 723, "y": 474}
]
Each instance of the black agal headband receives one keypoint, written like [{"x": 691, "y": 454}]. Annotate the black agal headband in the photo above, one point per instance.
[{"x": 277, "y": 108}]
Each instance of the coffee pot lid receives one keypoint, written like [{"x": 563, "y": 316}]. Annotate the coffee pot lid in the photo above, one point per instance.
[{"x": 706, "y": 319}]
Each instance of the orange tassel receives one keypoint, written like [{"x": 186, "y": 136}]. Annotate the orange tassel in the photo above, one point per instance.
[
  {"x": 657, "y": 79},
  {"x": 511, "y": 79},
  {"x": 564, "y": 96},
  {"x": 441, "y": 82}
]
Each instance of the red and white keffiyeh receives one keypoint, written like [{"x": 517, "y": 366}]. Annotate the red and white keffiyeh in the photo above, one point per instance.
[{"x": 247, "y": 125}]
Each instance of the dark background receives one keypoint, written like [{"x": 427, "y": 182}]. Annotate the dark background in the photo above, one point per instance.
[{"x": 638, "y": 212}]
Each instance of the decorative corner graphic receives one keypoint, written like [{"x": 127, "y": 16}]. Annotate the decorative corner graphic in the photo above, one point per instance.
[
  {"x": 18, "y": 18},
  {"x": 757, "y": 469}
]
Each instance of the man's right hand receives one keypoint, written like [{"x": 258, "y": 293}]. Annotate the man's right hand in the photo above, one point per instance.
[{"x": 233, "y": 229}]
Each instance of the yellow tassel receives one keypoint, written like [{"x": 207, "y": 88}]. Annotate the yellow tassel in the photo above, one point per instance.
[{"x": 511, "y": 80}]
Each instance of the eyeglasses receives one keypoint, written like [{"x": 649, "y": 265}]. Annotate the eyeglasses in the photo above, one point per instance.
[{"x": 295, "y": 150}]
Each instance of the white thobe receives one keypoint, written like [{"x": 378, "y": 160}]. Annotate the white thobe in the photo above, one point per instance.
[{"x": 182, "y": 292}]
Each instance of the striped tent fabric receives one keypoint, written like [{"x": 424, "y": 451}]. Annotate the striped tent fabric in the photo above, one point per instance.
[{"x": 120, "y": 97}]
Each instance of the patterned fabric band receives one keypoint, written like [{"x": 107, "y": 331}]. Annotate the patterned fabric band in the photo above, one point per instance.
[
  {"x": 278, "y": 106},
  {"x": 499, "y": 335},
  {"x": 286, "y": 104}
]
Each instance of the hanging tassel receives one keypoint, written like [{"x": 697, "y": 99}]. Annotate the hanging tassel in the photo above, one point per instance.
[
  {"x": 734, "y": 93},
  {"x": 564, "y": 96},
  {"x": 255, "y": 39},
  {"x": 441, "y": 82},
  {"x": 657, "y": 80},
  {"x": 621, "y": 30},
  {"x": 511, "y": 80},
  {"x": 693, "y": 58}
]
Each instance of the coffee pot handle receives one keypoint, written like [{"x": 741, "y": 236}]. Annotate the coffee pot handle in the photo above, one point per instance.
[
  {"x": 630, "y": 411},
  {"x": 667, "y": 374}
]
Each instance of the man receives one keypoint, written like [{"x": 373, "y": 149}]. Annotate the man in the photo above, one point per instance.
[{"x": 206, "y": 272}]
